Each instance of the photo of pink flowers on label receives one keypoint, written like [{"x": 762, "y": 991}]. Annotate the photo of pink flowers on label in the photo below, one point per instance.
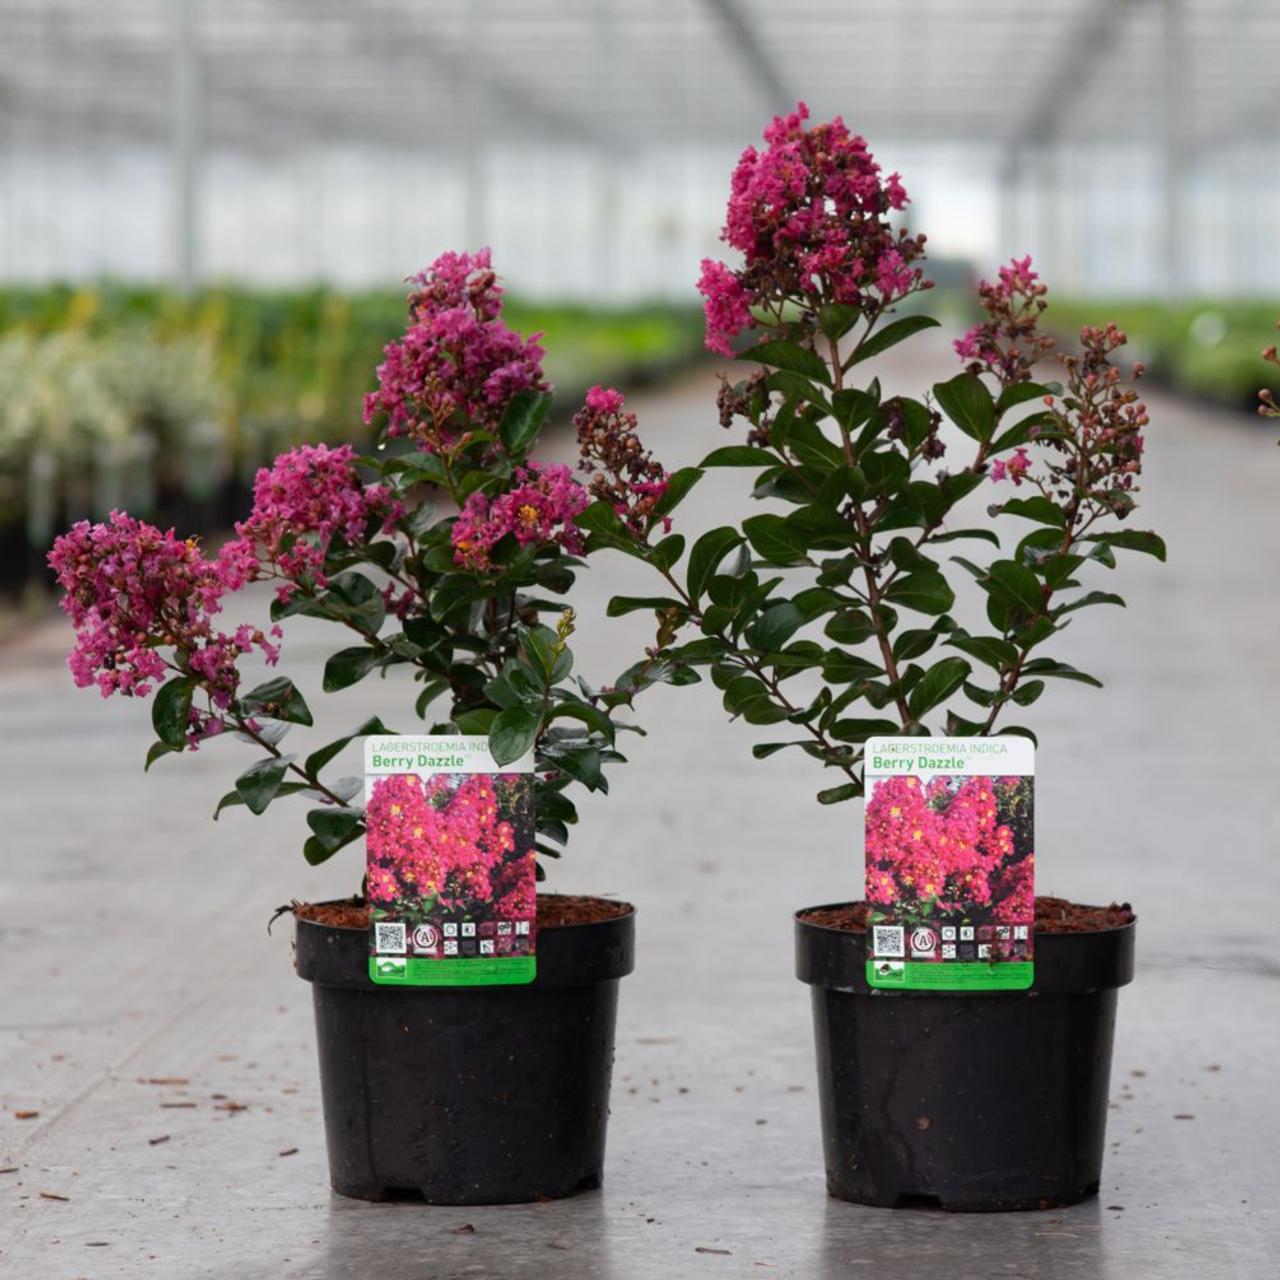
[
  {"x": 451, "y": 875},
  {"x": 950, "y": 862}
]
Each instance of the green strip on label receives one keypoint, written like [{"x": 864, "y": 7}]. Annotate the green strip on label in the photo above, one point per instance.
[
  {"x": 412, "y": 971},
  {"x": 951, "y": 975}
]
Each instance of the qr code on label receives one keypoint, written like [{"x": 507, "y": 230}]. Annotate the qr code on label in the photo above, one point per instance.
[
  {"x": 389, "y": 939},
  {"x": 888, "y": 940}
]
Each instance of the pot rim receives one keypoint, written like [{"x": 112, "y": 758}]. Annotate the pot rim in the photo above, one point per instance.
[
  {"x": 629, "y": 914},
  {"x": 799, "y": 917}
]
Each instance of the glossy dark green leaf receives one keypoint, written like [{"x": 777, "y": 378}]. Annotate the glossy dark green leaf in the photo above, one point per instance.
[
  {"x": 792, "y": 357},
  {"x": 334, "y": 827},
  {"x": 678, "y": 485},
  {"x": 171, "y": 711},
  {"x": 347, "y": 666},
  {"x": 522, "y": 419},
  {"x": 258, "y": 785},
  {"x": 774, "y": 540},
  {"x": 318, "y": 759},
  {"x": 739, "y": 455},
  {"x": 967, "y": 402},
  {"x": 512, "y": 734},
  {"x": 882, "y": 339},
  {"x": 936, "y": 685},
  {"x": 1015, "y": 584},
  {"x": 925, "y": 592},
  {"x": 278, "y": 699},
  {"x": 1132, "y": 540},
  {"x": 1036, "y": 508},
  {"x": 846, "y": 791},
  {"x": 775, "y": 626},
  {"x": 705, "y": 558}
]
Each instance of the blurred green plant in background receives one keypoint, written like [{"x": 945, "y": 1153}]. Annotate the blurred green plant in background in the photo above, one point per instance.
[
  {"x": 118, "y": 395},
  {"x": 1205, "y": 347}
]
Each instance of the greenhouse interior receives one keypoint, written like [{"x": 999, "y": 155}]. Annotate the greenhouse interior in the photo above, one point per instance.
[{"x": 779, "y": 401}]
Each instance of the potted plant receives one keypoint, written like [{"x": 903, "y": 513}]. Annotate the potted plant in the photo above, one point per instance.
[
  {"x": 446, "y": 555},
  {"x": 833, "y": 617}
]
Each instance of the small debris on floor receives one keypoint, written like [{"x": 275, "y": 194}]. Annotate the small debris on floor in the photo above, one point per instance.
[
  {"x": 465, "y": 1230},
  {"x": 52, "y": 1195},
  {"x": 1184, "y": 1115},
  {"x": 706, "y": 1248},
  {"x": 155, "y": 1142},
  {"x": 1119, "y": 1208},
  {"x": 178, "y": 1106},
  {"x": 25, "y": 1115},
  {"x": 165, "y": 1080},
  {"x": 288, "y": 1151},
  {"x": 923, "y": 1123},
  {"x": 13, "y": 1168}
]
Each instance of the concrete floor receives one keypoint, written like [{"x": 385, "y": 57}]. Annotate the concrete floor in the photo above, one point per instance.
[{"x": 165, "y": 1044}]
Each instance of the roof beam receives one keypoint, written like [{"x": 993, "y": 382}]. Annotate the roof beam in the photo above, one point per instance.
[
  {"x": 763, "y": 71},
  {"x": 1070, "y": 72}
]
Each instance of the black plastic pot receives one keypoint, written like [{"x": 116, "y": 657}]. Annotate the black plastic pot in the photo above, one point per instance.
[
  {"x": 965, "y": 1101},
  {"x": 467, "y": 1095}
]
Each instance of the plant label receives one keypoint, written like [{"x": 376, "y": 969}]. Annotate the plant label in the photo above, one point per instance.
[
  {"x": 950, "y": 862},
  {"x": 450, "y": 874}
]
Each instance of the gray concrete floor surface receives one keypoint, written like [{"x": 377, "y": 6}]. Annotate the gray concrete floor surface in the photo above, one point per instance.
[{"x": 166, "y": 1048}]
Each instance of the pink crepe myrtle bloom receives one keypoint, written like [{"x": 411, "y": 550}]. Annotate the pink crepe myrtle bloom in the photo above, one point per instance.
[
  {"x": 457, "y": 364},
  {"x": 135, "y": 593},
  {"x": 623, "y": 472},
  {"x": 1014, "y": 468},
  {"x": 539, "y": 508},
  {"x": 308, "y": 497},
  {"x": 810, "y": 216}
]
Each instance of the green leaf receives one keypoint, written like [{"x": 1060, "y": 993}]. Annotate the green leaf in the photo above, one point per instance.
[
  {"x": 846, "y": 668},
  {"x": 513, "y": 734},
  {"x": 775, "y": 626},
  {"x": 522, "y": 419},
  {"x": 1088, "y": 599},
  {"x": 257, "y": 786},
  {"x": 347, "y": 666},
  {"x": 856, "y": 730},
  {"x": 1016, "y": 585},
  {"x": 925, "y": 592},
  {"x": 592, "y": 717},
  {"x": 837, "y": 318},
  {"x": 234, "y": 797},
  {"x": 334, "y": 827},
  {"x": 882, "y": 339},
  {"x": 1025, "y": 694},
  {"x": 705, "y": 558},
  {"x": 967, "y": 402},
  {"x": 1132, "y": 540},
  {"x": 478, "y": 721},
  {"x": 1039, "y": 509},
  {"x": 791, "y": 356},
  {"x": 996, "y": 653},
  {"x": 774, "y": 540},
  {"x": 1059, "y": 670},
  {"x": 668, "y": 551},
  {"x": 171, "y": 712},
  {"x": 600, "y": 517},
  {"x": 739, "y": 455},
  {"x": 621, "y": 605},
  {"x": 321, "y": 757},
  {"x": 157, "y": 750},
  {"x": 937, "y": 685},
  {"x": 678, "y": 485},
  {"x": 846, "y": 791},
  {"x": 1020, "y": 393},
  {"x": 278, "y": 699}
]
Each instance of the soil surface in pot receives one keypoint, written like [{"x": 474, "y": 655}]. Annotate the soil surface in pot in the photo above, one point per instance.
[
  {"x": 553, "y": 910},
  {"x": 1053, "y": 915}
]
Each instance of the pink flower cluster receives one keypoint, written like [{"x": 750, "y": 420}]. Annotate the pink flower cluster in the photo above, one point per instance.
[
  {"x": 1014, "y": 468},
  {"x": 1008, "y": 342},
  {"x": 307, "y": 497},
  {"x": 451, "y": 841},
  {"x": 943, "y": 844},
  {"x": 458, "y": 364},
  {"x": 809, "y": 214},
  {"x": 623, "y": 472},
  {"x": 539, "y": 508},
  {"x": 133, "y": 591}
]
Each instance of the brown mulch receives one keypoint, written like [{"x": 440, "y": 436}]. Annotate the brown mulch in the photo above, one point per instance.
[
  {"x": 1053, "y": 915},
  {"x": 553, "y": 909}
]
